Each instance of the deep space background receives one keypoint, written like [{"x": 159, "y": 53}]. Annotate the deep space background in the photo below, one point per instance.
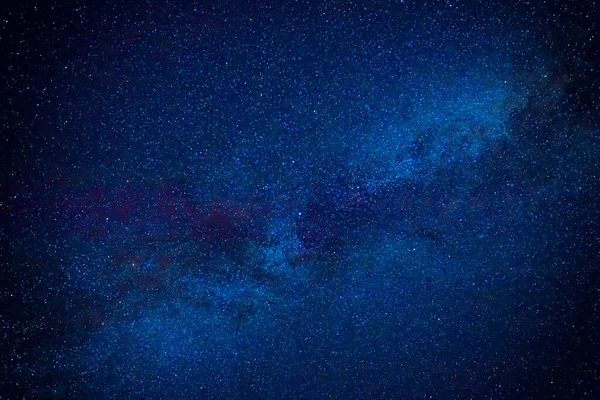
[{"x": 300, "y": 200}]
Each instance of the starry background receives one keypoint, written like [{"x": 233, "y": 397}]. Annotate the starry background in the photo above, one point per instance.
[{"x": 338, "y": 199}]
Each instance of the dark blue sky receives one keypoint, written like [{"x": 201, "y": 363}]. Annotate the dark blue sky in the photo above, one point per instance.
[{"x": 300, "y": 200}]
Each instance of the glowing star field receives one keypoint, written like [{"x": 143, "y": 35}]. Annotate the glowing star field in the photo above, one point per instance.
[{"x": 300, "y": 200}]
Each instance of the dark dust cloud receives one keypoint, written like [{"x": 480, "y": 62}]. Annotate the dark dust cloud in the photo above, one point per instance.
[{"x": 300, "y": 200}]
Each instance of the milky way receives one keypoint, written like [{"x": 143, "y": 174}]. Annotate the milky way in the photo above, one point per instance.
[{"x": 300, "y": 200}]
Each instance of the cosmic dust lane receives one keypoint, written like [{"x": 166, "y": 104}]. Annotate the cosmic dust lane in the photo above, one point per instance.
[{"x": 300, "y": 200}]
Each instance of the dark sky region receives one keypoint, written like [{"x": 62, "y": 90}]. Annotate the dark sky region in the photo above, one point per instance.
[{"x": 300, "y": 200}]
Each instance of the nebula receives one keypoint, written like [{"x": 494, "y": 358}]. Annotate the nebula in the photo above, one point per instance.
[{"x": 300, "y": 200}]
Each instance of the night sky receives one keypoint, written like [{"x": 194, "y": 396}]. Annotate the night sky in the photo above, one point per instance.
[{"x": 300, "y": 200}]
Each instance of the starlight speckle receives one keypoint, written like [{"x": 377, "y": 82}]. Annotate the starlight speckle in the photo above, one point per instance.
[{"x": 280, "y": 200}]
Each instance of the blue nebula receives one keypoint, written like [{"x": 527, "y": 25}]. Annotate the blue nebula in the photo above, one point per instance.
[{"x": 284, "y": 200}]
